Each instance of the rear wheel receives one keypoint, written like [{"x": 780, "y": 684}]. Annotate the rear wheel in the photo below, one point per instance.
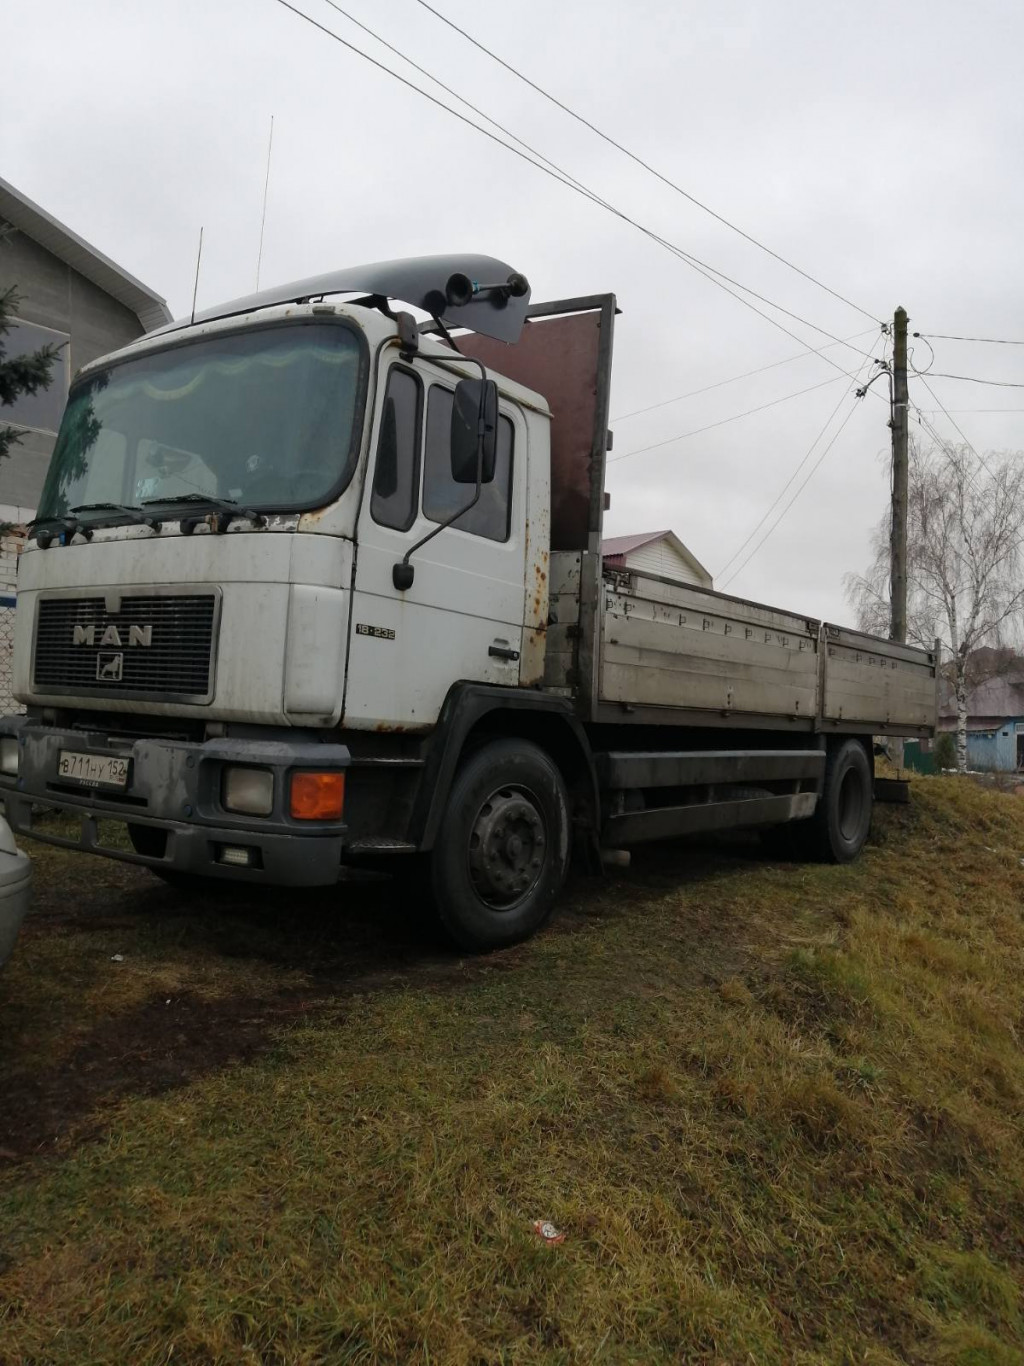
[
  {"x": 837, "y": 831},
  {"x": 503, "y": 848}
]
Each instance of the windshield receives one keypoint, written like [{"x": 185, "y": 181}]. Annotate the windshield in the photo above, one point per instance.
[{"x": 265, "y": 419}]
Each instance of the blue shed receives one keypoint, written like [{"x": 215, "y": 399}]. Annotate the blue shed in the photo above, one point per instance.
[{"x": 995, "y": 721}]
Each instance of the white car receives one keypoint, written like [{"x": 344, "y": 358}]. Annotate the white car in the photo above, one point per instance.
[{"x": 15, "y": 889}]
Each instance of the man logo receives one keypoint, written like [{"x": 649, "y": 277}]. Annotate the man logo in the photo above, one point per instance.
[
  {"x": 109, "y": 668},
  {"x": 137, "y": 635}
]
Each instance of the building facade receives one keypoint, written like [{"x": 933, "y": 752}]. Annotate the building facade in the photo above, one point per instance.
[
  {"x": 72, "y": 296},
  {"x": 656, "y": 552}
]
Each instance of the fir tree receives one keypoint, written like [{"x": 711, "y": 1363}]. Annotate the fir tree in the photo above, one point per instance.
[{"x": 19, "y": 375}]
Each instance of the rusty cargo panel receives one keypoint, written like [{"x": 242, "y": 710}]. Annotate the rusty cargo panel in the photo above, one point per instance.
[{"x": 564, "y": 353}]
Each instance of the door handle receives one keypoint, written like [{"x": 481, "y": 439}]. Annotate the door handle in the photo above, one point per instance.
[{"x": 503, "y": 652}]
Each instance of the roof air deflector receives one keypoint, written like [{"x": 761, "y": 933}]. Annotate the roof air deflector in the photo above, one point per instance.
[{"x": 476, "y": 292}]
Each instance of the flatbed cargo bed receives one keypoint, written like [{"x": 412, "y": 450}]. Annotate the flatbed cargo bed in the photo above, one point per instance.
[{"x": 673, "y": 653}]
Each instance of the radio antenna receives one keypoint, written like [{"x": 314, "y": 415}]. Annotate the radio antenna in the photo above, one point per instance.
[
  {"x": 263, "y": 217},
  {"x": 195, "y": 287}
]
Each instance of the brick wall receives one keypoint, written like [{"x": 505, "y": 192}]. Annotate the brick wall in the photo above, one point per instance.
[{"x": 11, "y": 543}]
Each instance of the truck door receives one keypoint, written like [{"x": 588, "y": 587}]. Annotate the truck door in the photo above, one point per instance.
[{"x": 462, "y": 618}]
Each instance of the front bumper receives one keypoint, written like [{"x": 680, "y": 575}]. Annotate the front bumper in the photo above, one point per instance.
[
  {"x": 172, "y": 804},
  {"x": 15, "y": 891}
]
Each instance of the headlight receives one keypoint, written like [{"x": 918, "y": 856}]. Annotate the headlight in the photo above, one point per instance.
[
  {"x": 248, "y": 791},
  {"x": 9, "y": 756}
]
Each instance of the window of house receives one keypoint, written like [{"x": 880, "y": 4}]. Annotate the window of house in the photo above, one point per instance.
[
  {"x": 396, "y": 476},
  {"x": 41, "y": 410},
  {"x": 442, "y": 496}
]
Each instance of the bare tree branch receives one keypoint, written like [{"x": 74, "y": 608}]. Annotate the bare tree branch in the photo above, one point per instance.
[{"x": 964, "y": 561}]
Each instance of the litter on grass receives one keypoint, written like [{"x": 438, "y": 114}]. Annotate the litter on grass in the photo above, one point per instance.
[{"x": 547, "y": 1231}]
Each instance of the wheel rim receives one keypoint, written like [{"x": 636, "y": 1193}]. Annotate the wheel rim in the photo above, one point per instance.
[
  {"x": 507, "y": 848},
  {"x": 851, "y": 805}
]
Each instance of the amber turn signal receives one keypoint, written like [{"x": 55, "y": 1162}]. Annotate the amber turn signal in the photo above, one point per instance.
[{"x": 317, "y": 796}]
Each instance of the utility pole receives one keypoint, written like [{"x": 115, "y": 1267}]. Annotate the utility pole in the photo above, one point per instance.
[{"x": 898, "y": 543}]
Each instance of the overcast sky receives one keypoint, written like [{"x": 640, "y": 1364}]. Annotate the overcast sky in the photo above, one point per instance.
[{"x": 879, "y": 147}]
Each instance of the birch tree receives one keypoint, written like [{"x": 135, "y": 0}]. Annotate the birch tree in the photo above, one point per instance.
[{"x": 965, "y": 565}]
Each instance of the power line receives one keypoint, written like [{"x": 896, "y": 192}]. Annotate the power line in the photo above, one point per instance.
[
  {"x": 692, "y": 261},
  {"x": 786, "y": 486},
  {"x": 263, "y": 215},
  {"x": 449, "y": 91},
  {"x": 810, "y": 475},
  {"x": 800, "y": 355},
  {"x": 557, "y": 172},
  {"x": 680, "y": 436},
  {"x": 973, "y": 379},
  {"x": 639, "y": 160},
  {"x": 785, "y": 511},
  {"x": 956, "y": 427},
  {"x": 992, "y": 341},
  {"x": 565, "y": 177},
  {"x": 937, "y": 438},
  {"x": 709, "y": 272}
]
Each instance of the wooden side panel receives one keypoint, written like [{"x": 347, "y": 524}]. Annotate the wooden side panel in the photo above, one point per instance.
[
  {"x": 669, "y": 645},
  {"x": 869, "y": 680}
]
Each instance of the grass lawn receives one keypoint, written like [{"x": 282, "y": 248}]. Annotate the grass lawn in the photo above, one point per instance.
[{"x": 775, "y": 1109}]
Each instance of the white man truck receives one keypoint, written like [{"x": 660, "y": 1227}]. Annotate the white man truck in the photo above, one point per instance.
[{"x": 314, "y": 584}]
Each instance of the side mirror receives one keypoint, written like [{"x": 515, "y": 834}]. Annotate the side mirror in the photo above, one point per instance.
[{"x": 474, "y": 438}]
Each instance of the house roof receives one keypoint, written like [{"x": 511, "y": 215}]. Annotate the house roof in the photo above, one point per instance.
[
  {"x": 615, "y": 548},
  {"x": 150, "y": 309},
  {"x": 622, "y": 545},
  {"x": 995, "y": 699}
]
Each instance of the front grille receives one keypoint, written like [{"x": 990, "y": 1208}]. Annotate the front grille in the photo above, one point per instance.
[{"x": 158, "y": 647}]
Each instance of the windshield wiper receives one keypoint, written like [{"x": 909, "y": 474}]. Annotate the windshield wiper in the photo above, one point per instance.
[
  {"x": 229, "y": 510},
  {"x": 136, "y": 514}
]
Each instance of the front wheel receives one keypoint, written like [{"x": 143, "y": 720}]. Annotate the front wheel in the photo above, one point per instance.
[{"x": 503, "y": 847}]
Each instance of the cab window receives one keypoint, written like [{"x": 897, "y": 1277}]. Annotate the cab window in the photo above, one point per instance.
[
  {"x": 442, "y": 496},
  {"x": 396, "y": 475}
]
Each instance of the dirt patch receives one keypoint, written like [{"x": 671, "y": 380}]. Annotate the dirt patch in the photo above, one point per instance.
[
  {"x": 163, "y": 1044},
  {"x": 246, "y": 964},
  {"x": 261, "y": 962}
]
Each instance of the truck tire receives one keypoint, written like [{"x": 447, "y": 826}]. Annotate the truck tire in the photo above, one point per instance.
[
  {"x": 502, "y": 851},
  {"x": 837, "y": 831}
]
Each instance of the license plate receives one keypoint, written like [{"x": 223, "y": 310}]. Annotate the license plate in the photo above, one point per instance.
[{"x": 92, "y": 770}]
